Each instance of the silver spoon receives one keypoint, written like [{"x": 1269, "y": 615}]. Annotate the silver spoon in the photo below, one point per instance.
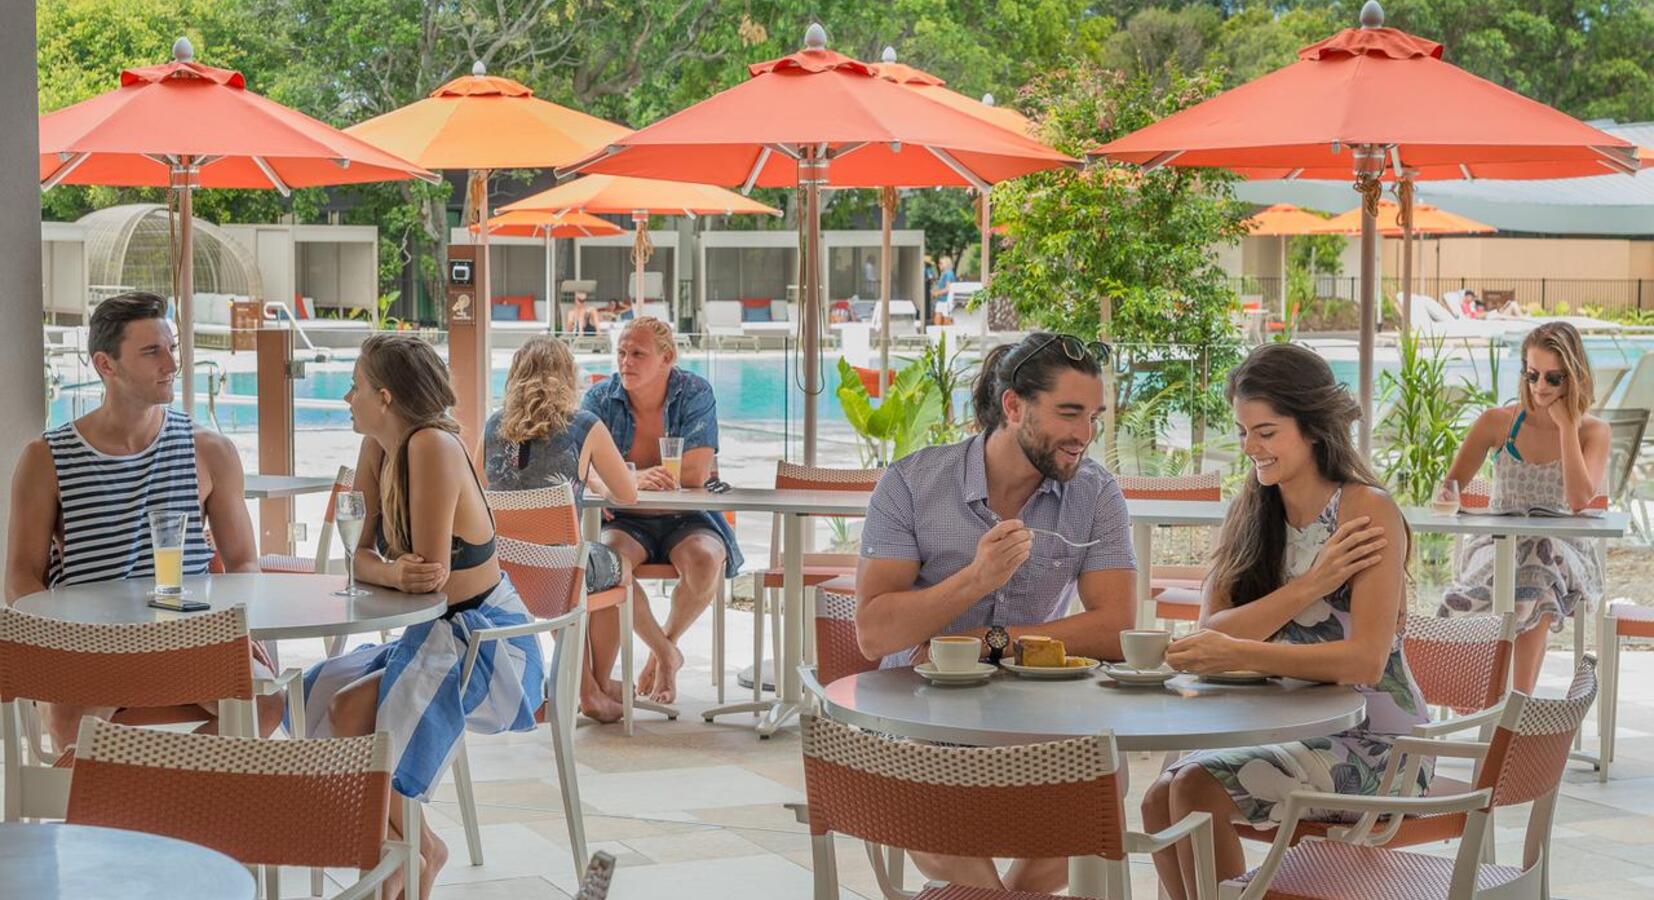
[{"x": 1080, "y": 545}]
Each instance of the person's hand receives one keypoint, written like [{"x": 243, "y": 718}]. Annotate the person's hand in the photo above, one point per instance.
[
  {"x": 920, "y": 654},
  {"x": 1000, "y": 553},
  {"x": 656, "y": 478},
  {"x": 1352, "y": 549},
  {"x": 1206, "y": 652},
  {"x": 1562, "y": 410},
  {"x": 413, "y": 575}
]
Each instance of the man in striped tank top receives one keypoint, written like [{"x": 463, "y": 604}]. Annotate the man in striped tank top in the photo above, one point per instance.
[{"x": 82, "y": 494}]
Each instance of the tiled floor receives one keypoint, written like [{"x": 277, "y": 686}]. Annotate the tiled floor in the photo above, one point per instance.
[{"x": 692, "y": 810}]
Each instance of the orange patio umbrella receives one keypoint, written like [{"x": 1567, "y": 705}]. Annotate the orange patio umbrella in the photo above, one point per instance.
[
  {"x": 1283, "y": 220},
  {"x": 184, "y": 126},
  {"x": 1374, "y": 103},
  {"x": 481, "y": 123},
  {"x": 1427, "y": 219},
  {"x": 640, "y": 198},
  {"x": 817, "y": 119},
  {"x": 549, "y": 227}
]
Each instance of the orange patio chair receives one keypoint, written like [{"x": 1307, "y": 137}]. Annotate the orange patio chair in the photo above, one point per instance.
[
  {"x": 343, "y": 482},
  {"x": 1176, "y": 590}
]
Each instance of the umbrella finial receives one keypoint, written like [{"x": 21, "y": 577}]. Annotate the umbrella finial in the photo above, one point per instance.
[
  {"x": 1372, "y": 15},
  {"x": 182, "y": 51},
  {"x": 889, "y": 55},
  {"x": 478, "y": 69},
  {"x": 988, "y": 99},
  {"x": 815, "y": 38}
]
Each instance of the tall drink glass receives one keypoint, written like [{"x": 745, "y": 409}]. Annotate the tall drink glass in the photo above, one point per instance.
[
  {"x": 671, "y": 459},
  {"x": 166, "y": 536}
]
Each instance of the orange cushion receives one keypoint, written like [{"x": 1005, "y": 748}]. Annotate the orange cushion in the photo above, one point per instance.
[
  {"x": 813, "y": 575},
  {"x": 1631, "y": 620}
]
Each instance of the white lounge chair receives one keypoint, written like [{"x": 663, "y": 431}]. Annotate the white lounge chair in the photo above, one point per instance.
[{"x": 1429, "y": 318}]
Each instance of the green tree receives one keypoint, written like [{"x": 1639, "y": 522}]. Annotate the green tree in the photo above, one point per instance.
[{"x": 947, "y": 216}]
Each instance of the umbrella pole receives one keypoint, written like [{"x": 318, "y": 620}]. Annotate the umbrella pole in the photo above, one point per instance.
[
  {"x": 1369, "y": 187},
  {"x": 551, "y": 280},
  {"x": 812, "y": 171},
  {"x": 183, "y": 182},
  {"x": 987, "y": 250},
  {"x": 640, "y": 240},
  {"x": 1405, "y": 189},
  {"x": 887, "y": 210},
  {"x": 1283, "y": 278}
]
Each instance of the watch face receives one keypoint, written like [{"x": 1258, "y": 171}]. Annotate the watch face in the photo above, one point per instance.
[{"x": 998, "y": 638}]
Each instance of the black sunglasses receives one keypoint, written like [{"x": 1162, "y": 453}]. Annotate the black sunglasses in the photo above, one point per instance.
[
  {"x": 1076, "y": 350},
  {"x": 1554, "y": 379}
]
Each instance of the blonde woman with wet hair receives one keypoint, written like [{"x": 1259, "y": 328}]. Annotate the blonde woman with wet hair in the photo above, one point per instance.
[
  {"x": 1548, "y": 451},
  {"x": 428, "y": 528}
]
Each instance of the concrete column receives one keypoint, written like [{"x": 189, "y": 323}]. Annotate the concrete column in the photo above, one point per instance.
[{"x": 22, "y": 353}]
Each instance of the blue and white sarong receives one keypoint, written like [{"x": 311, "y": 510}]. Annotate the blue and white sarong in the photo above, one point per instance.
[{"x": 420, "y": 706}]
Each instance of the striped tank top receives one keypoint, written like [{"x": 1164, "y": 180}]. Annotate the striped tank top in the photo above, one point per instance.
[{"x": 106, "y": 502}]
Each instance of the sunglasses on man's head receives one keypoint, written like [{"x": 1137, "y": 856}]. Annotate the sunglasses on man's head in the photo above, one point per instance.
[
  {"x": 1554, "y": 379},
  {"x": 1076, "y": 350}
]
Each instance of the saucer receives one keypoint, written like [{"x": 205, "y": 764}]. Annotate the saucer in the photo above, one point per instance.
[
  {"x": 1127, "y": 675},
  {"x": 1052, "y": 673},
  {"x": 1236, "y": 676},
  {"x": 978, "y": 675}
]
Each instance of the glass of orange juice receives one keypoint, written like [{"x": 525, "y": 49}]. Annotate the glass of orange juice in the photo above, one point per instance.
[
  {"x": 166, "y": 535},
  {"x": 671, "y": 459}
]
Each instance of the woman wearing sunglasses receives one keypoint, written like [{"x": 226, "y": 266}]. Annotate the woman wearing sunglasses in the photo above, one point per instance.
[{"x": 1547, "y": 452}]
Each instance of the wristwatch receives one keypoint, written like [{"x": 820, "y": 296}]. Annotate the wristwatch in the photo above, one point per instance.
[{"x": 998, "y": 639}]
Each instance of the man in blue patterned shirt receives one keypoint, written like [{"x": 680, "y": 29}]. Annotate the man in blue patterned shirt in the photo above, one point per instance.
[
  {"x": 950, "y": 546},
  {"x": 649, "y": 398}
]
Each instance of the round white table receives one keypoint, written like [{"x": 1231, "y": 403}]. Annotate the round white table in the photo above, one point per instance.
[
  {"x": 279, "y": 606},
  {"x": 71, "y": 862},
  {"x": 1184, "y": 714}
]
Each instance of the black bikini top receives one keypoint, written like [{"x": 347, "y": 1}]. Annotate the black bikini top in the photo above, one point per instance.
[{"x": 462, "y": 554}]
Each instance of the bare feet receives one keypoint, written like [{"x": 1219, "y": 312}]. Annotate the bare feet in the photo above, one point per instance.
[
  {"x": 600, "y": 706},
  {"x": 434, "y": 855},
  {"x": 665, "y": 681},
  {"x": 614, "y": 689},
  {"x": 646, "y": 677}
]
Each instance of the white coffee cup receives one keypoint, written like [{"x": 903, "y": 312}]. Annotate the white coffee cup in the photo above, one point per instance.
[
  {"x": 955, "y": 653},
  {"x": 1146, "y": 648}
]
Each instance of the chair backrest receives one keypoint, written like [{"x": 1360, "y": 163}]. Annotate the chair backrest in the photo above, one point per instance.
[
  {"x": 837, "y": 653},
  {"x": 192, "y": 659},
  {"x": 546, "y": 515},
  {"x": 1530, "y": 745},
  {"x": 551, "y": 580},
  {"x": 297, "y": 803},
  {"x": 343, "y": 483},
  {"x": 1067, "y": 795},
  {"x": 821, "y": 478},
  {"x": 1625, "y": 441},
  {"x": 1461, "y": 663},
  {"x": 1204, "y": 486},
  {"x": 1639, "y": 385}
]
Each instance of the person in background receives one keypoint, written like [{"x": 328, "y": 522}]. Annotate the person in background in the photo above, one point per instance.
[
  {"x": 541, "y": 437},
  {"x": 649, "y": 397},
  {"x": 961, "y": 539},
  {"x": 580, "y": 319},
  {"x": 1548, "y": 451},
  {"x": 82, "y": 493},
  {"x": 929, "y": 300},
  {"x": 1307, "y": 581},
  {"x": 944, "y": 280}
]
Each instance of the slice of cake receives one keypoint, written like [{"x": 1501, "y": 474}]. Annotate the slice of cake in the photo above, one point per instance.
[{"x": 1043, "y": 652}]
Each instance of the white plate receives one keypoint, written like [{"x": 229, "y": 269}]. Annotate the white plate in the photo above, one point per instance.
[
  {"x": 1236, "y": 676},
  {"x": 1052, "y": 673},
  {"x": 1127, "y": 675},
  {"x": 978, "y": 675}
]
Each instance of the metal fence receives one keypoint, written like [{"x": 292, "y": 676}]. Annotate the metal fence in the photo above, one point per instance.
[{"x": 1607, "y": 294}]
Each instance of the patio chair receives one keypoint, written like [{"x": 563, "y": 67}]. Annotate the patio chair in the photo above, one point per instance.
[
  {"x": 819, "y": 569},
  {"x": 1622, "y": 620},
  {"x": 343, "y": 482},
  {"x": 932, "y": 799},
  {"x": 1639, "y": 385},
  {"x": 550, "y": 516},
  {"x": 552, "y": 582},
  {"x": 1175, "y": 590},
  {"x": 1522, "y": 763},
  {"x": 310, "y": 803},
  {"x": 1462, "y": 665},
  {"x": 159, "y": 671}
]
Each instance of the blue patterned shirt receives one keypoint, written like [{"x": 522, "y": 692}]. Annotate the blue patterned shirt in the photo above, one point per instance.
[{"x": 932, "y": 507}]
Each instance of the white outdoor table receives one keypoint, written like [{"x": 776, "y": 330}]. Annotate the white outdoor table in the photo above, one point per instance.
[
  {"x": 71, "y": 862},
  {"x": 1184, "y": 714},
  {"x": 792, "y": 505},
  {"x": 279, "y": 606},
  {"x": 271, "y": 487}
]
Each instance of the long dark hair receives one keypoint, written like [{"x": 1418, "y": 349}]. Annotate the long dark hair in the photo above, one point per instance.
[
  {"x": 1298, "y": 383},
  {"x": 1029, "y": 367},
  {"x": 421, "y": 393}
]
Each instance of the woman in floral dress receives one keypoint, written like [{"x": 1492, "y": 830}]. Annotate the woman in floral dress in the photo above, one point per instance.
[
  {"x": 1547, "y": 452},
  {"x": 1306, "y": 582}
]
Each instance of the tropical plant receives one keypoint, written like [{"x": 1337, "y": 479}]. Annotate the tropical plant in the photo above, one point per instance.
[
  {"x": 901, "y": 423},
  {"x": 1421, "y": 431},
  {"x": 945, "y": 373}
]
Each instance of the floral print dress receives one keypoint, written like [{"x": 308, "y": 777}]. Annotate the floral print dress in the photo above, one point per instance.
[{"x": 1259, "y": 778}]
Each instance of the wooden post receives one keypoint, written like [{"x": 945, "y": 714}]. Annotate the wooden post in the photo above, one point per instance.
[
  {"x": 274, "y": 349},
  {"x": 467, "y": 337}
]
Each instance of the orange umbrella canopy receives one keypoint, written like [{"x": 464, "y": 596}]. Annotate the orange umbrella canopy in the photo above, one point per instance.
[
  {"x": 133, "y": 136},
  {"x": 1283, "y": 220},
  {"x": 1427, "y": 219},
  {"x": 618, "y": 194},
  {"x": 1382, "y": 87},
  {"x": 934, "y": 88},
  {"x": 481, "y": 121},
  {"x": 874, "y": 132},
  {"x": 536, "y": 223}
]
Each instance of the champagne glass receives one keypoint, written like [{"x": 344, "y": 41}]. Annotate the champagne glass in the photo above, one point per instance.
[
  {"x": 348, "y": 512},
  {"x": 1446, "y": 500}
]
